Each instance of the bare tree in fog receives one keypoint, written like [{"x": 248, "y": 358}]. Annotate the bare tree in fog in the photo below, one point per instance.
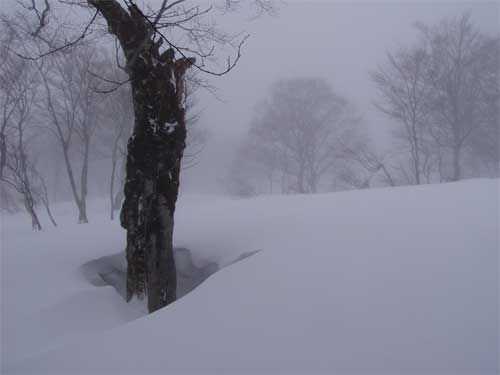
[
  {"x": 299, "y": 132},
  {"x": 484, "y": 142},
  {"x": 117, "y": 119},
  {"x": 119, "y": 123},
  {"x": 13, "y": 87},
  {"x": 463, "y": 75},
  {"x": 72, "y": 110},
  {"x": 149, "y": 40},
  {"x": 19, "y": 175},
  {"x": 404, "y": 91},
  {"x": 444, "y": 91},
  {"x": 18, "y": 81}
]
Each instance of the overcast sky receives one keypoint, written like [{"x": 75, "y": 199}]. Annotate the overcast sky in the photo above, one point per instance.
[{"x": 340, "y": 41}]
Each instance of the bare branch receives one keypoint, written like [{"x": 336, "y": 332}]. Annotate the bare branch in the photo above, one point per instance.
[{"x": 66, "y": 45}]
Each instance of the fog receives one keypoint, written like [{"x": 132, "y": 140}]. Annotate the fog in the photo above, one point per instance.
[
  {"x": 335, "y": 41},
  {"x": 339, "y": 41},
  {"x": 253, "y": 187}
]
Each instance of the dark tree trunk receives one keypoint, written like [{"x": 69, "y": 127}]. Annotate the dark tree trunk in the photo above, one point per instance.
[{"x": 155, "y": 150}]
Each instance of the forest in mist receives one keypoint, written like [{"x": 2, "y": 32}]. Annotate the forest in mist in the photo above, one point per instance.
[
  {"x": 249, "y": 187},
  {"x": 66, "y": 119}
]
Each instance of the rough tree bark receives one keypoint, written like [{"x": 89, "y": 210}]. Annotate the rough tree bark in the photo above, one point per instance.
[{"x": 155, "y": 150}]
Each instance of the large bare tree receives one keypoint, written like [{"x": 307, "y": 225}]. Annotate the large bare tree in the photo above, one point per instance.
[
  {"x": 444, "y": 92},
  {"x": 404, "y": 91},
  {"x": 117, "y": 123},
  {"x": 463, "y": 75},
  {"x": 72, "y": 107},
  {"x": 16, "y": 79},
  {"x": 19, "y": 89},
  {"x": 300, "y": 132},
  {"x": 149, "y": 37}
]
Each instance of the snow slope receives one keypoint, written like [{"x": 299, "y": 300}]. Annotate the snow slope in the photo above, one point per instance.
[{"x": 399, "y": 281}]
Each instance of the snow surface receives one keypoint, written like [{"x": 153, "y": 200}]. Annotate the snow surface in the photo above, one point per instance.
[{"x": 388, "y": 281}]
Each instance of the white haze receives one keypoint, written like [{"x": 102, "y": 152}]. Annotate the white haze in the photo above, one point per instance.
[
  {"x": 338, "y": 41},
  {"x": 392, "y": 280}
]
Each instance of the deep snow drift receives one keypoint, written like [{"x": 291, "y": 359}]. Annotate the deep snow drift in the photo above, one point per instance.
[{"x": 396, "y": 281}]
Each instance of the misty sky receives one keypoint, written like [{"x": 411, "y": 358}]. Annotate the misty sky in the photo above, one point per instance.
[{"x": 340, "y": 41}]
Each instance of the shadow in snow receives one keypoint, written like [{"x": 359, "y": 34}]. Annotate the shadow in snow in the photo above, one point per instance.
[{"x": 112, "y": 269}]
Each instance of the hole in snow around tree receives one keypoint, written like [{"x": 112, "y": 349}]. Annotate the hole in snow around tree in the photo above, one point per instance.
[{"x": 111, "y": 270}]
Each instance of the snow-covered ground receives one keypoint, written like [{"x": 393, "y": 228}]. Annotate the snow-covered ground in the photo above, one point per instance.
[{"x": 388, "y": 281}]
